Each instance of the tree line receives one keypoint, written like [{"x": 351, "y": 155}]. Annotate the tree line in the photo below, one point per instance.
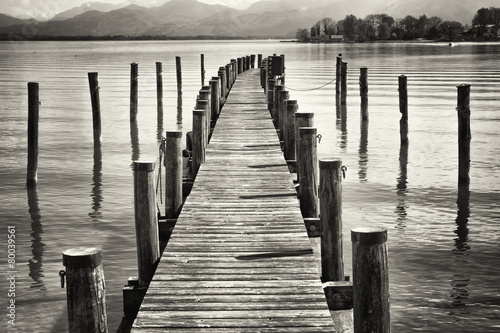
[{"x": 485, "y": 26}]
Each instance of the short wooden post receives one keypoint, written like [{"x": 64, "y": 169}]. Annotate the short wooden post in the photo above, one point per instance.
[
  {"x": 276, "y": 103},
  {"x": 464, "y": 135},
  {"x": 252, "y": 61},
  {"x": 178, "y": 70},
  {"x": 363, "y": 90},
  {"x": 343, "y": 83},
  {"x": 96, "y": 107},
  {"x": 202, "y": 56},
  {"x": 134, "y": 75},
  {"x": 330, "y": 203},
  {"x": 146, "y": 220},
  {"x": 270, "y": 95},
  {"x": 281, "y": 112},
  {"x": 228, "y": 73},
  {"x": 173, "y": 174},
  {"x": 215, "y": 99},
  {"x": 289, "y": 129},
  {"x": 198, "y": 140},
  {"x": 85, "y": 290},
  {"x": 33, "y": 116},
  {"x": 370, "y": 280},
  {"x": 259, "y": 60},
  {"x": 203, "y": 105},
  {"x": 234, "y": 70},
  {"x": 159, "y": 87},
  {"x": 302, "y": 119},
  {"x": 307, "y": 167},
  {"x": 338, "y": 74},
  {"x": 403, "y": 108},
  {"x": 222, "y": 76}
]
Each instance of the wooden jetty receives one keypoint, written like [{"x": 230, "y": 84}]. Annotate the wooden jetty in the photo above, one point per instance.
[{"x": 239, "y": 258}]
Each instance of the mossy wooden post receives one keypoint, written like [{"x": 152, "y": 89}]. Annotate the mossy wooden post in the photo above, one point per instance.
[
  {"x": 338, "y": 74},
  {"x": 202, "y": 60},
  {"x": 276, "y": 104},
  {"x": 363, "y": 90},
  {"x": 302, "y": 119},
  {"x": 281, "y": 112},
  {"x": 159, "y": 88},
  {"x": 464, "y": 135},
  {"x": 215, "y": 99},
  {"x": 270, "y": 95},
  {"x": 403, "y": 108},
  {"x": 134, "y": 75},
  {"x": 307, "y": 167},
  {"x": 343, "y": 83},
  {"x": 330, "y": 203},
  {"x": 85, "y": 290},
  {"x": 173, "y": 174},
  {"x": 33, "y": 116},
  {"x": 146, "y": 220},
  {"x": 289, "y": 129},
  {"x": 370, "y": 280},
  {"x": 198, "y": 140},
  {"x": 178, "y": 70}
]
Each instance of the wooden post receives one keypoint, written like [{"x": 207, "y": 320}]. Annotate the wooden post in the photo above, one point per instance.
[
  {"x": 202, "y": 56},
  {"x": 276, "y": 104},
  {"x": 222, "y": 75},
  {"x": 464, "y": 135},
  {"x": 363, "y": 90},
  {"x": 228, "y": 77},
  {"x": 302, "y": 119},
  {"x": 370, "y": 280},
  {"x": 343, "y": 83},
  {"x": 33, "y": 116},
  {"x": 330, "y": 202},
  {"x": 173, "y": 174},
  {"x": 252, "y": 61},
  {"x": 403, "y": 108},
  {"x": 159, "y": 87},
  {"x": 202, "y": 104},
  {"x": 85, "y": 290},
  {"x": 134, "y": 74},
  {"x": 270, "y": 95},
  {"x": 234, "y": 70},
  {"x": 289, "y": 129},
  {"x": 338, "y": 74},
  {"x": 259, "y": 60},
  {"x": 198, "y": 140},
  {"x": 96, "y": 107},
  {"x": 215, "y": 99},
  {"x": 307, "y": 167},
  {"x": 146, "y": 220},
  {"x": 178, "y": 70},
  {"x": 281, "y": 112}
]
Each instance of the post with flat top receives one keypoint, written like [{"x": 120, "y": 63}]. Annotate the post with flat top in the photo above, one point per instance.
[
  {"x": 281, "y": 112},
  {"x": 289, "y": 130},
  {"x": 215, "y": 99},
  {"x": 370, "y": 271},
  {"x": 159, "y": 88},
  {"x": 330, "y": 202},
  {"x": 270, "y": 95},
  {"x": 134, "y": 75},
  {"x": 173, "y": 174},
  {"x": 146, "y": 220},
  {"x": 276, "y": 104},
  {"x": 363, "y": 90},
  {"x": 338, "y": 74},
  {"x": 464, "y": 135},
  {"x": 178, "y": 70},
  {"x": 202, "y": 59},
  {"x": 343, "y": 83},
  {"x": 85, "y": 290},
  {"x": 403, "y": 108},
  {"x": 307, "y": 169},
  {"x": 198, "y": 140},
  {"x": 33, "y": 116},
  {"x": 302, "y": 119}
]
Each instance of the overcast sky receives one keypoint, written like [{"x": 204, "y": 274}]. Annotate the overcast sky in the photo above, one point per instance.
[{"x": 48, "y": 8}]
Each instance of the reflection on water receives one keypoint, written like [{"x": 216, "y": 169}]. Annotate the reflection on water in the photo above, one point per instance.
[
  {"x": 37, "y": 246},
  {"x": 363, "y": 152},
  {"x": 343, "y": 126},
  {"x": 96, "y": 195},
  {"x": 402, "y": 187}
]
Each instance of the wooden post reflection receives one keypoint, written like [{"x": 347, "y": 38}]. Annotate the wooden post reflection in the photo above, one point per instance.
[
  {"x": 402, "y": 185},
  {"x": 363, "y": 151},
  {"x": 179, "y": 109},
  {"x": 37, "y": 246},
  {"x": 97, "y": 184}
]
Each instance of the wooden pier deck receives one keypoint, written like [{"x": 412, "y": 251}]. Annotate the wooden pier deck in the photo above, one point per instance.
[{"x": 239, "y": 258}]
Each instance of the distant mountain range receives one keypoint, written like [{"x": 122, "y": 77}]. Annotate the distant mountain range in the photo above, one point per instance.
[{"x": 271, "y": 18}]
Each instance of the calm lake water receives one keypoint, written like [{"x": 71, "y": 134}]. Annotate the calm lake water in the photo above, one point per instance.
[{"x": 443, "y": 245}]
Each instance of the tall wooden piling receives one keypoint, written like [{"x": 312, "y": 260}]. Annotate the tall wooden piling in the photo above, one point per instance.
[
  {"x": 203, "y": 103},
  {"x": 33, "y": 116},
  {"x": 403, "y": 108},
  {"x": 85, "y": 290},
  {"x": 338, "y": 74},
  {"x": 178, "y": 70},
  {"x": 343, "y": 83},
  {"x": 289, "y": 129},
  {"x": 134, "y": 76},
  {"x": 199, "y": 122},
  {"x": 222, "y": 76},
  {"x": 146, "y": 220},
  {"x": 173, "y": 174},
  {"x": 281, "y": 112},
  {"x": 96, "y": 107},
  {"x": 276, "y": 104},
  {"x": 159, "y": 87},
  {"x": 370, "y": 280},
  {"x": 363, "y": 90},
  {"x": 330, "y": 202},
  {"x": 464, "y": 134},
  {"x": 302, "y": 119},
  {"x": 307, "y": 167},
  {"x": 202, "y": 61},
  {"x": 215, "y": 99}
]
